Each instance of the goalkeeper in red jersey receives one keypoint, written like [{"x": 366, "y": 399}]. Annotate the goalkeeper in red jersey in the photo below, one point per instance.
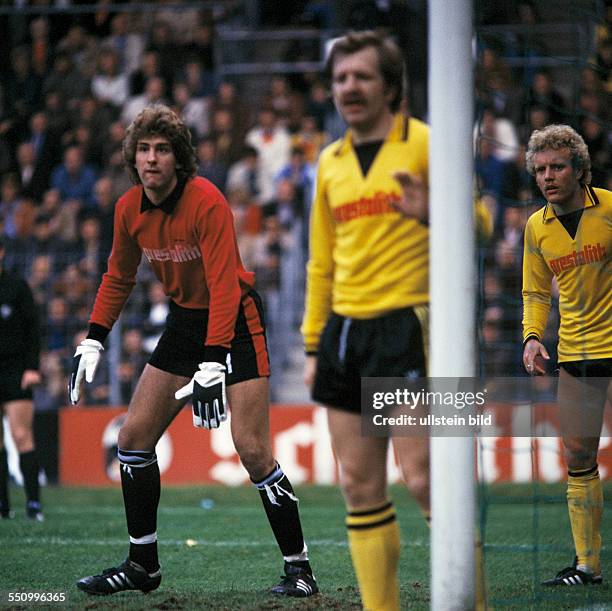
[
  {"x": 570, "y": 240},
  {"x": 212, "y": 351}
]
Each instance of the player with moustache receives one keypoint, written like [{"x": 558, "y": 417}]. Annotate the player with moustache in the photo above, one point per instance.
[{"x": 366, "y": 311}]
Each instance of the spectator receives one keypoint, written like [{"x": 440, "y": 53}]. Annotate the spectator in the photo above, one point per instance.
[
  {"x": 115, "y": 172},
  {"x": 25, "y": 165},
  {"x": 41, "y": 282},
  {"x": 301, "y": 174},
  {"x": 48, "y": 244},
  {"x": 201, "y": 83},
  {"x": 155, "y": 320},
  {"x": 21, "y": 248},
  {"x": 209, "y": 166},
  {"x": 494, "y": 84},
  {"x": 73, "y": 178},
  {"x": 193, "y": 110},
  {"x": 200, "y": 47},
  {"x": 542, "y": 93},
  {"x": 319, "y": 105},
  {"x": 244, "y": 174},
  {"x": 155, "y": 90},
  {"x": 225, "y": 133},
  {"x": 58, "y": 120},
  {"x": 104, "y": 200},
  {"x": 598, "y": 142},
  {"x": 78, "y": 45},
  {"x": 45, "y": 142},
  {"x": 273, "y": 144},
  {"x": 133, "y": 359},
  {"x": 9, "y": 198},
  {"x": 22, "y": 87},
  {"x": 148, "y": 68},
  {"x": 501, "y": 130},
  {"x": 517, "y": 183},
  {"x": 66, "y": 79},
  {"x": 163, "y": 42},
  {"x": 59, "y": 329},
  {"x": 40, "y": 46},
  {"x": 92, "y": 254},
  {"x": 538, "y": 117},
  {"x": 488, "y": 168},
  {"x": 247, "y": 223},
  {"x": 227, "y": 98},
  {"x": 109, "y": 85},
  {"x": 128, "y": 44},
  {"x": 309, "y": 138}
]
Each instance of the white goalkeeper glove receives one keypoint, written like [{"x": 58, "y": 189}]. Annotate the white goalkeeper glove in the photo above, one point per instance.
[
  {"x": 207, "y": 391},
  {"x": 84, "y": 364}
]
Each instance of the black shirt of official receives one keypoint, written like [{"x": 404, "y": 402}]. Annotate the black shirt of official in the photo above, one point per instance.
[{"x": 19, "y": 323}]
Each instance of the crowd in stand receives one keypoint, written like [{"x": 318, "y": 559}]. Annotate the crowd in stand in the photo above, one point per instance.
[{"x": 67, "y": 97}]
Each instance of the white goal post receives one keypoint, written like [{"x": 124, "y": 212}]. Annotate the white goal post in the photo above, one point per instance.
[{"x": 453, "y": 294}]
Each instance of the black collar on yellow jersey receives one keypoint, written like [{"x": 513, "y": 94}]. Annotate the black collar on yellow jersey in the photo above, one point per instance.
[
  {"x": 399, "y": 132},
  {"x": 168, "y": 204},
  {"x": 590, "y": 200}
]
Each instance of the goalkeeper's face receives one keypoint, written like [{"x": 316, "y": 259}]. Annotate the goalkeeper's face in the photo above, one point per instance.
[{"x": 156, "y": 166}]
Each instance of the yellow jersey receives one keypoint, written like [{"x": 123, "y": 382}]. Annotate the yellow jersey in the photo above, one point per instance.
[
  {"x": 366, "y": 259},
  {"x": 581, "y": 267}
]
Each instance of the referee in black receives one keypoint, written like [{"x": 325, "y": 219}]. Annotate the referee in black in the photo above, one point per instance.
[{"x": 19, "y": 354}]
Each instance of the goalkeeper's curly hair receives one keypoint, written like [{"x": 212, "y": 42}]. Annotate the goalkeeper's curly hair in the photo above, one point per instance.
[
  {"x": 557, "y": 137},
  {"x": 160, "y": 120}
]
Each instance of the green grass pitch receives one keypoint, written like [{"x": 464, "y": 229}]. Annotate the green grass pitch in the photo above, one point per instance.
[{"x": 222, "y": 555}]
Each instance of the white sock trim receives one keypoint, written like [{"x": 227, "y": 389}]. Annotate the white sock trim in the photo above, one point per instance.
[
  {"x": 301, "y": 557},
  {"x": 152, "y": 538}
]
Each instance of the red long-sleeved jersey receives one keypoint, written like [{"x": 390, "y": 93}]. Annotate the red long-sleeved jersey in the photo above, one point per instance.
[{"x": 192, "y": 249}]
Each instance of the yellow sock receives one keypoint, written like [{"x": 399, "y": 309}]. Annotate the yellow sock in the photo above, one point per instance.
[
  {"x": 585, "y": 505},
  {"x": 374, "y": 542}
]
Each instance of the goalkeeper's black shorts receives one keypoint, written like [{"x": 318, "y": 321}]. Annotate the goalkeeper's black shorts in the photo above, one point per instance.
[
  {"x": 392, "y": 345},
  {"x": 181, "y": 347}
]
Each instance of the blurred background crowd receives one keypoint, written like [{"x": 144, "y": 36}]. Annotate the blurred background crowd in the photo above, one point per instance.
[{"x": 246, "y": 76}]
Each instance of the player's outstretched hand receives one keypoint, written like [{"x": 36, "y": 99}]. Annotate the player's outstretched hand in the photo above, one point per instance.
[
  {"x": 207, "y": 392},
  {"x": 414, "y": 202},
  {"x": 84, "y": 365},
  {"x": 534, "y": 355}
]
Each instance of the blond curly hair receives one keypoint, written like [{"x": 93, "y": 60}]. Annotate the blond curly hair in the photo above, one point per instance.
[{"x": 557, "y": 137}]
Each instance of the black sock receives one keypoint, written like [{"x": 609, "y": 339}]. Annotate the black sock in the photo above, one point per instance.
[
  {"x": 5, "y": 504},
  {"x": 281, "y": 507},
  {"x": 28, "y": 463},
  {"x": 140, "y": 483}
]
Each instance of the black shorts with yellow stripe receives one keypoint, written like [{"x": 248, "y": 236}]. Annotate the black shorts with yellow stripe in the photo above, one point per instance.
[
  {"x": 181, "y": 347},
  {"x": 393, "y": 345}
]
